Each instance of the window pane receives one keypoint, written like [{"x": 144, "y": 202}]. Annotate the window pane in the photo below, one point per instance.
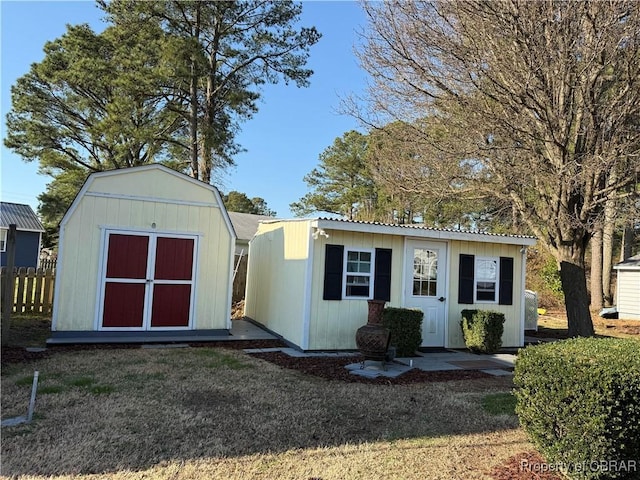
[
  {"x": 486, "y": 291},
  {"x": 352, "y": 256},
  {"x": 365, "y": 267},
  {"x": 432, "y": 289},
  {"x": 365, "y": 256},
  {"x": 425, "y": 263},
  {"x": 357, "y": 280},
  {"x": 416, "y": 287},
  {"x": 486, "y": 269},
  {"x": 357, "y": 291},
  {"x": 352, "y": 266}
]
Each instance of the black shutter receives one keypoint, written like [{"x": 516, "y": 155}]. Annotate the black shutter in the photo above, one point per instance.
[
  {"x": 465, "y": 279},
  {"x": 382, "y": 279},
  {"x": 506, "y": 281},
  {"x": 333, "y": 260}
]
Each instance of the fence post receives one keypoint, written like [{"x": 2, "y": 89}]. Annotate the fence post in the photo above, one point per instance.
[{"x": 8, "y": 289}]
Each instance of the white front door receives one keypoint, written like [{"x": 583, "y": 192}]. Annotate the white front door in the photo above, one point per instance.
[{"x": 425, "y": 272}]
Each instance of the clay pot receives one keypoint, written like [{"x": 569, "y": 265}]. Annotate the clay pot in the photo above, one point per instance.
[{"x": 372, "y": 339}]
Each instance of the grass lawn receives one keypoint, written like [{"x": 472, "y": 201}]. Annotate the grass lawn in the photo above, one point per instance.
[
  {"x": 191, "y": 413},
  {"x": 29, "y": 330},
  {"x": 554, "y": 325}
]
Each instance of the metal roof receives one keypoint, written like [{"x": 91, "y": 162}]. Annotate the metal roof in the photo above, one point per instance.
[
  {"x": 422, "y": 227},
  {"x": 22, "y": 215}
]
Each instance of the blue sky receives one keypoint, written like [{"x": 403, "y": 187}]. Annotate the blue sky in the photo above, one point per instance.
[{"x": 283, "y": 140}]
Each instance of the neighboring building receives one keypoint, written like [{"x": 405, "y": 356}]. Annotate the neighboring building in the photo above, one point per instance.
[
  {"x": 628, "y": 289},
  {"x": 29, "y": 232},
  {"x": 245, "y": 226},
  {"x": 309, "y": 279},
  {"x": 145, "y": 253}
]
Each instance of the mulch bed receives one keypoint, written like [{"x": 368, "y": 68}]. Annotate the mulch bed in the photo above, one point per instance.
[{"x": 332, "y": 368}]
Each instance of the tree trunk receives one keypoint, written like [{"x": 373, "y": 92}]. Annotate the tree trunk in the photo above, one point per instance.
[
  {"x": 627, "y": 242},
  {"x": 574, "y": 286},
  {"x": 597, "y": 298},
  {"x": 607, "y": 257},
  {"x": 607, "y": 241},
  {"x": 193, "y": 103}
]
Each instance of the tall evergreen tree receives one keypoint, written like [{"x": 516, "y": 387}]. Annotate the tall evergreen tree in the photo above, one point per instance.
[
  {"x": 342, "y": 183},
  {"x": 221, "y": 52},
  {"x": 93, "y": 103}
]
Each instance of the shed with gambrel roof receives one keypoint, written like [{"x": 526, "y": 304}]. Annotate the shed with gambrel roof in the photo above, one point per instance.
[{"x": 145, "y": 254}]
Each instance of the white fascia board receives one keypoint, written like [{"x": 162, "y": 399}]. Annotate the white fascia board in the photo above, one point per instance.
[
  {"x": 33, "y": 230},
  {"x": 421, "y": 233}
]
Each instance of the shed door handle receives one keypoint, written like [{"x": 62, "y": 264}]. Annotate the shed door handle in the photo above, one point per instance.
[{"x": 441, "y": 299}]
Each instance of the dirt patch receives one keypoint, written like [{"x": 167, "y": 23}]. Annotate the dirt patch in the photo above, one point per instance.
[
  {"x": 554, "y": 325},
  {"x": 524, "y": 466}
]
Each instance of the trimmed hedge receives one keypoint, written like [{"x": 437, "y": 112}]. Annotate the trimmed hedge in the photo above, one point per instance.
[
  {"x": 405, "y": 326},
  {"x": 579, "y": 402},
  {"x": 482, "y": 330}
]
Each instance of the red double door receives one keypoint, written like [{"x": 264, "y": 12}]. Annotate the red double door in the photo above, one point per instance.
[{"x": 148, "y": 281}]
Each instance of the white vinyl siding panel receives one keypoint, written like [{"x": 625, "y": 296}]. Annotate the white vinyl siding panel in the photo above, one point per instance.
[{"x": 628, "y": 294}]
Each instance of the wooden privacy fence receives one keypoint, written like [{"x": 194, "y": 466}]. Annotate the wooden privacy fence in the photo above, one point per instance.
[{"x": 33, "y": 292}]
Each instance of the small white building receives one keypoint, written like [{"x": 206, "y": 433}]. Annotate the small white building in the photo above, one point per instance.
[
  {"x": 144, "y": 253},
  {"x": 628, "y": 289}
]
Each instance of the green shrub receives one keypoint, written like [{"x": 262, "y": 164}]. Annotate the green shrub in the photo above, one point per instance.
[
  {"x": 482, "y": 330},
  {"x": 405, "y": 326},
  {"x": 579, "y": 402}
]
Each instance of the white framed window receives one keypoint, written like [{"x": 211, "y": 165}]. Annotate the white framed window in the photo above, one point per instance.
[
  {"x": 487, "y": 273},
  {"x": 358, "y": 273},
  {"x": 3, "y": 240}
]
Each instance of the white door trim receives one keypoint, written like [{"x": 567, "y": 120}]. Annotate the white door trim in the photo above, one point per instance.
[
  {"x": 442, "y": 280},
  {"x": 151, "y": 257}
]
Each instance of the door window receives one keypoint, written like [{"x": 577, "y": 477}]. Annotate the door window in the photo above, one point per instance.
[{"x": 425, "y": 272}]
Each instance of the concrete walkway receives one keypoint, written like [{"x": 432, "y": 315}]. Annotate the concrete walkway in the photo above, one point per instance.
[{"x": 246, "y": 330}]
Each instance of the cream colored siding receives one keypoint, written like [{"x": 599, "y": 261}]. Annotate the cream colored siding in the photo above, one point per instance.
[
  {"x": 285, "y": 287},
  {"x": 513, "y": 313},
  {"x": 628, "y": 294},
  {"x": 276, "y": 289},
  {"x": 334, "y": 322},
  {"x": 79, "y": 268},
  {"x": 151, "y": 184}
]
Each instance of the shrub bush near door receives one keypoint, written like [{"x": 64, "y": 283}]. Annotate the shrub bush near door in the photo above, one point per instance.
[{"x": 405, "y": 326}]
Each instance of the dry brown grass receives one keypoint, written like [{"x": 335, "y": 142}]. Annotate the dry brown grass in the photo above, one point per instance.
[
  {"x": 554, "y": 325},
  {"x": 212, "y": 413}
]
